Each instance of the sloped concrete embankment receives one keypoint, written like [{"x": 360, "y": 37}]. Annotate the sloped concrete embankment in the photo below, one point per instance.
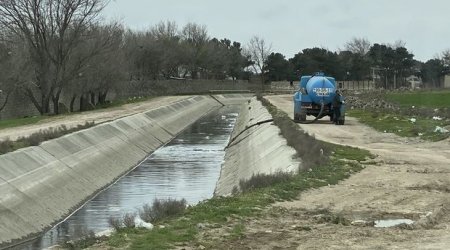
[
  {"x": 43, "y": 184},
  {"x": 254, "y": 149}
]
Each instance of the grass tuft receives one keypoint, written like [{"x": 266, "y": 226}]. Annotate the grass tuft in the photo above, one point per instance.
[
  {"x": 162, "y": 209},
  {"x": 264, "y": 180}
]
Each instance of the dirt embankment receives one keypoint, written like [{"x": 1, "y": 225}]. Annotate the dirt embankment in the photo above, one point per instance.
[{"x": 409, "y": 179}]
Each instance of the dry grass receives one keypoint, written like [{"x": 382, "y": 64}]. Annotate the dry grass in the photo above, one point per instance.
[
  {"x": 312, "y": 152},
  {"x": 37, "y": 138},
  {"x": 264, "y": 180},
  {"x": 161, "y": 209}
]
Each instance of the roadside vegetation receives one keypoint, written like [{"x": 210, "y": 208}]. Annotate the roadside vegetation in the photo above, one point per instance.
[
  {"x": 256, "y": 194},
  {"x": 424, "y": 114},
  {"x": 16, "y": 122},
  {"x": 405, "y": 126},
  {"x": 37, "y": 138},
  {"x": 428, "y": 99}
]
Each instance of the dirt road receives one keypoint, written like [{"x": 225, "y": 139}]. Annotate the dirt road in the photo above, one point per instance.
[
  {"x": 97, "y": 116},
  {"x": 410, "y": 180}
]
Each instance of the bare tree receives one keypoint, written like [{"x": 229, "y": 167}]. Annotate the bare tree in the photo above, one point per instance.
[
  {"x": 358, "y": 46},
  {"x": 258, "y": 51},
  {"x": 93, "y": 80},
  {"x": 195, "y": 39},
  {"x": 52, "y": 30},
  {"x": 165, "y": 30},
  {"x": 14, "y": 68}
]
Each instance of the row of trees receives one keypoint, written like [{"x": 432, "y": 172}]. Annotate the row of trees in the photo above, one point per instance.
[
  {"x": 390, "y": 64},
  {"x": 53, "y": 47},
  {"x": 50, "y": 48},
  {"x": 166, "y": 51}
]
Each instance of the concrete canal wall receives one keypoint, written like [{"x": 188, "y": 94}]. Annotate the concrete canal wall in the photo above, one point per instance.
[
  {"x": 41, "y": 185},
  {"x": 254, "y": 149}
]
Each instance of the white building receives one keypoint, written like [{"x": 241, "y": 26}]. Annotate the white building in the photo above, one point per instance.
[
  {"x": 447, "y": 81},
  {"x": 416, "y": 82}
]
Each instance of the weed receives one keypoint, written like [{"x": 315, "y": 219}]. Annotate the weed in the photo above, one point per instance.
[
  {"x": 238, "y": 231},
  {"x": 115, "y": 223},
  {"x": 264, "y": 180},
  {"x": 128, "y": 220},
  {"x": 161, "y": 209},
  {"x": 83, "y": 242}
]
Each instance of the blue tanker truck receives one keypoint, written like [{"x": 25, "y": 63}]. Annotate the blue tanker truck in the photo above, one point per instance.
[{"x": 314, "y": 97}]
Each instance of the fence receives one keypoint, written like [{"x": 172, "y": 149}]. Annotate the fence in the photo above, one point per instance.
[{"x": 351, "y": 85}]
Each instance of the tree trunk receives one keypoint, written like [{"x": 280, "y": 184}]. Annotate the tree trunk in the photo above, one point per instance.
[
  {"x": 83, "y": 102},
  {"x": 55, "y": 99},
  {"x": 102, "y": 97},
  {"x": 92, "y": 96},
  {"x": 5, "y": 102},
  {"x": 37, "y": 105},
  {"x": 72, "y": 102}
]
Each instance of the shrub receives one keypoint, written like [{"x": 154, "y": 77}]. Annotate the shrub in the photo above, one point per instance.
[
  {"x": 6, "y": 146},
  {"x": 264, "y": 180},
  {"x": 115, "y": 223},
  {"x": 161, "y": 209},
  {"x": 128, "y": 220}
]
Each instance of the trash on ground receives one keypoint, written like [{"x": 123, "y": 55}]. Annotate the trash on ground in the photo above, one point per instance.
[
  {"x": 440, "y": 130},
  {"x": 393, "y": 222}
]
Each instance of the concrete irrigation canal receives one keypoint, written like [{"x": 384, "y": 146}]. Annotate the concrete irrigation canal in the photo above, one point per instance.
[{"x": 181, "y": 150}]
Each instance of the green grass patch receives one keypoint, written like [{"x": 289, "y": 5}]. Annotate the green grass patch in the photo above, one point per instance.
[
  {"x": 218, "y": 210},
  {"x": 238, "y": 231},
  {"x": 430, "y": 99},
  {"x": 10, "y": 123},
  {"x": 401, "y": 125}
]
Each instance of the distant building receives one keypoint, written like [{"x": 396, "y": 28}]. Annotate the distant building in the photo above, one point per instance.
[
  {"x": 414, "y": 81},
  {"x": 447, "y": 81}
]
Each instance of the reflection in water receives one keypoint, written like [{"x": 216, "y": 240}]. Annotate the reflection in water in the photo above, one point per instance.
[{"x": 188, "y": 167}]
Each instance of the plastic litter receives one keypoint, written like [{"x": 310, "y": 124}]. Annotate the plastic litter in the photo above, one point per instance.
[
  {"x": 440, "y": 130},
  {"x": 139, "y": 223}
]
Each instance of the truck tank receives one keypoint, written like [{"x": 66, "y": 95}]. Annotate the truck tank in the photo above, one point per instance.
[{"x": 314, "y": 97}]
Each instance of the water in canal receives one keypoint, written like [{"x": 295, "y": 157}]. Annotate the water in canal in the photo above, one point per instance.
[{"x": 187, "y": 167}]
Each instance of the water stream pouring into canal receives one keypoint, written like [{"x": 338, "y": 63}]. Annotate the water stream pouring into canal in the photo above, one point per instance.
[{"x": 188, "y": 167}]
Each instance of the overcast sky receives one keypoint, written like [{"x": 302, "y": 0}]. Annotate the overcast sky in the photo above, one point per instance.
[{"x": 292, "y": 25}]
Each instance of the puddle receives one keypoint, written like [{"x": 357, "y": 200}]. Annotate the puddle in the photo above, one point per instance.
[{"x": 392, "y": 222}]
